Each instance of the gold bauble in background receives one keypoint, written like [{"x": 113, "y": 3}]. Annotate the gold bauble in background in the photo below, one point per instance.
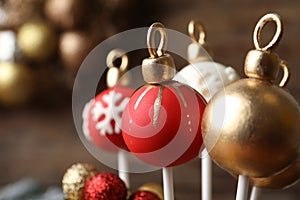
[
  {"x": 252, "y": 128},
  {"x": 16, "y": 83},
  {"x": 37, "y": 40},
  {"x": 74, "y": 179},
  {"x": 74, "y": 46},
  {"x": 154, "y": 188},
  {"x": 67, "y": 14},
  {"x": 283, "y": 180}
]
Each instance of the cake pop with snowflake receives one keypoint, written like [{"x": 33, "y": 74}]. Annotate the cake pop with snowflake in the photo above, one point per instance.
[{"x": 102, "y": 114}]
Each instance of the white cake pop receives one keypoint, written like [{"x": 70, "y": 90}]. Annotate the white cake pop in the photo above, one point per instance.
[
  {"x": 203, "y": 74},
  {"x": 207, "y": 77}
]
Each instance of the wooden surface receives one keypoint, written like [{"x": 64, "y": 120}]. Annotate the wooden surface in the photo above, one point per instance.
[{"x": 42, "y": 143}]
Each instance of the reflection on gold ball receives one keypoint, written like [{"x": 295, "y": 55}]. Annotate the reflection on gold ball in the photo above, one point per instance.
[
  {"x": 16, "y": 83},
  {"x": 154, "y": 188},
  {"x": 283, "y": 180},
  {"x": 74, "y": 179},
  {"x": 252, "y": 128},
  {"x": 37, "y": 40},
  {"x": 67, "y": 13}
]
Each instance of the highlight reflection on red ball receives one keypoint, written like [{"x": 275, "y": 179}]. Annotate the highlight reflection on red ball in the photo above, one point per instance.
[{"x": 162, "y": 123}]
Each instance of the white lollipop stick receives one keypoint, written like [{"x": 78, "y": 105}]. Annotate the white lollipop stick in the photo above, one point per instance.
[
  {"x": 168, "y": 183},
  {"x": 123, "y": 167},
  {"x": 213, "y": 76},
  {"x": 255, "y": 193},
  {"x": 206, "y": 172},
  {"x": 242, "y": 188}
]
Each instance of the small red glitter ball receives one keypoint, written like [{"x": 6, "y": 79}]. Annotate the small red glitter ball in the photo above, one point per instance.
[
  {"x": 105, "y": 186},
  {"x": 143, "y": 195}
]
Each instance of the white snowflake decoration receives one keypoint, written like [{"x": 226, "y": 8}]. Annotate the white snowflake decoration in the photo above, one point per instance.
[{"x": 111, "y": 112}]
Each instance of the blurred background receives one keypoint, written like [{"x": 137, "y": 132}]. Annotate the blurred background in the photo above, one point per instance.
[{"x": 43, "y": 43}]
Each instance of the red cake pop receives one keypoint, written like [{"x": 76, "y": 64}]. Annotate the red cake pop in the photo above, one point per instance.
[
  {"x": 162, "y": 122},
  {"x": 102, "y": 115},
  {"x": 105, "y": 186}
]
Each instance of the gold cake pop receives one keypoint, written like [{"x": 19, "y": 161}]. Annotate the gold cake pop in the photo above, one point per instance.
[
  {"x": 252, "y": 127},
  {"x": 74, "y": 180}
]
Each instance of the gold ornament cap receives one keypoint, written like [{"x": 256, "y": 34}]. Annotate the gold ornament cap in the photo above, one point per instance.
[
  {"x": 115, "y": 73},
  {"x": 198, "y": 50},
  {"x": 159, "y": 66},
  {"x": 262, "y": 63}
]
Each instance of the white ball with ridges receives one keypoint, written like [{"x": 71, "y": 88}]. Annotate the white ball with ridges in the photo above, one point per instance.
[{"x": 207, "y": 77}]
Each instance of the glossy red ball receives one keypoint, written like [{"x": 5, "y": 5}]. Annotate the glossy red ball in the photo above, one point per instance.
[
  {"x": 102, "y": 118},
  {"x": 162, "y": 123}
]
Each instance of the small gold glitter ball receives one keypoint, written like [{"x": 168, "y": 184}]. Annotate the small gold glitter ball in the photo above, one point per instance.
[
  {"x": 37, "y": 40},
  {"x": 154, "y": 188},
  {"x": 74, "y": 179}
]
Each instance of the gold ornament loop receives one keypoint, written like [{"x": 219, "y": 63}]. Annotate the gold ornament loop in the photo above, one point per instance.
[
  {"x": 259, "y": 26},
  {"x": 153, "y": 51},
  {"x": 115, "y": 54},
  {"x": 115, "y": 72},
  {"x": 192, "y": 27},
  {"x": 286, "y": 74}
]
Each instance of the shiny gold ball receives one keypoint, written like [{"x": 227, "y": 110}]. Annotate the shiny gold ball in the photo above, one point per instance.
[
  {"x": 16, "y": 83},
  {"x": 252, "y": 128},
  {"x": 74, "y": 179},
  {"x": 283, "y": 180},
  {"x": 37, "y": 40},
  {"x": 154, "y": 188}
]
